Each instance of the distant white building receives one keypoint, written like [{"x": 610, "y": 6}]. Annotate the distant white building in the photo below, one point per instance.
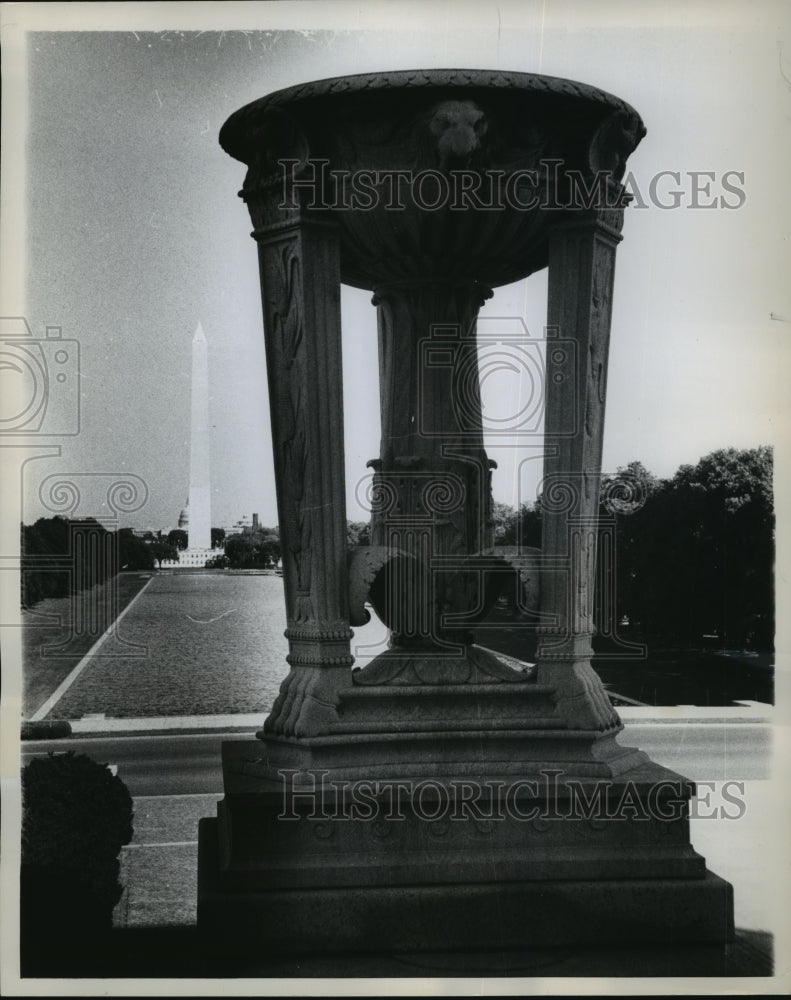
[
  {"x": 144, "y": 532},
  {"x": 195, "y": 558},
  {"x": 243, "y": 526}
]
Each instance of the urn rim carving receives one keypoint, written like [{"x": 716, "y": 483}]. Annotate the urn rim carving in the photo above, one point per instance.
[
  {"x": 235, "y": 141},
  {"x": 435, "y": 176}
]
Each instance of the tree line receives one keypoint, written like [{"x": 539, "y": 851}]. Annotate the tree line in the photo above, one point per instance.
[
  {"x": 48, "y": 556},
  {"x": 693, "y": 554},
  {"x": 48, "y": 559},
  {"x": 255, "y": 549}
]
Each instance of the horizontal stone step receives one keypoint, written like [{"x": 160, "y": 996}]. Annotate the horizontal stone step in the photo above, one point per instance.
[
  {"x": 525, "y": 689},
  {"x": 440, "y": 725}
]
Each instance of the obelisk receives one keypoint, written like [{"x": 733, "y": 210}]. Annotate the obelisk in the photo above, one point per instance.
[{"x": 200, "y": 491}]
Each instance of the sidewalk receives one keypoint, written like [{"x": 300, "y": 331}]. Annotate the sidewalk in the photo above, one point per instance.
[
  {"x": 752, "y": 712},
  {"x": 159, "y": 869}
]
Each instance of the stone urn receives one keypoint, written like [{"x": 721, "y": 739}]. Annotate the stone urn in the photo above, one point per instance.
[
  {"x": 444, "y": 797},
  {"x": 430, "y": 189}
]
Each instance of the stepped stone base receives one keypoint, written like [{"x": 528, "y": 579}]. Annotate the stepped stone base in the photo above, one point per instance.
[
  {"x": 456, "y": 917},
  {"x": 449, "y": 816},
  {"x": 504, "y": 726},
  {"x": 506, "y": 840}
]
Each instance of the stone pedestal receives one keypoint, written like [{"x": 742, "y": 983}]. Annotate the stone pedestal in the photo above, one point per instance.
[
  {"x": 444, "y": 797},
  {"x": 514, "y": 915},
  {"x": 469, "y": 854}
]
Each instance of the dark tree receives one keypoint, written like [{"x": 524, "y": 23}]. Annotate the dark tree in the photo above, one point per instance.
[
  {"x": 503, "y": 520},
  {"x": 270, "y": 550},
  {"x": 46, "y": 550},
  {"x": 178, "y": 538},
  {"x": 698, "y": 556},
  {"x": 219, "y": 561},
  {"x": 162, "y": 551},
  {"x": 242, "y": 552},
  {"x": 358, "y": 533},
  {"x": 523, "y": 527},
  {"x": 253, "y": 550},
  {"x": 133, "y": 553}
]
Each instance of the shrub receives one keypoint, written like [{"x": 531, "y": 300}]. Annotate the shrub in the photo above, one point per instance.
[
  {"x": 76, "y": 817},
  {"x": 49, "y": 729},
  {"x": 220, "y": 561}
]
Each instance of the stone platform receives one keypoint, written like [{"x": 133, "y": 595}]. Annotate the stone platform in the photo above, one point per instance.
[
  {"x": 455, "y": 917},
  {"x": 314, "y": 859}
]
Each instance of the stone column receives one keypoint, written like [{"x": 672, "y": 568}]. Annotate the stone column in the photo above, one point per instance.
[
  {"x": 300, "y": 284},
  {"x": 432, "y": 476},
  {"x": 581, "y": 272}
]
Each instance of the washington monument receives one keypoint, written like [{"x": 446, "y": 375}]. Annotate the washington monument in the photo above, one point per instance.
[{"x": 200, "y": 491}]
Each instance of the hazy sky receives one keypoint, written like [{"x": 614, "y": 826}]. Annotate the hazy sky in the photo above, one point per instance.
[{"x": 133, "y": 231}]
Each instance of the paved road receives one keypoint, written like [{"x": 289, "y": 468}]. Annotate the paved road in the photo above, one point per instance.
[
  {"x": 152, "y": 765},
  {"x": 190, "y": 764}
]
